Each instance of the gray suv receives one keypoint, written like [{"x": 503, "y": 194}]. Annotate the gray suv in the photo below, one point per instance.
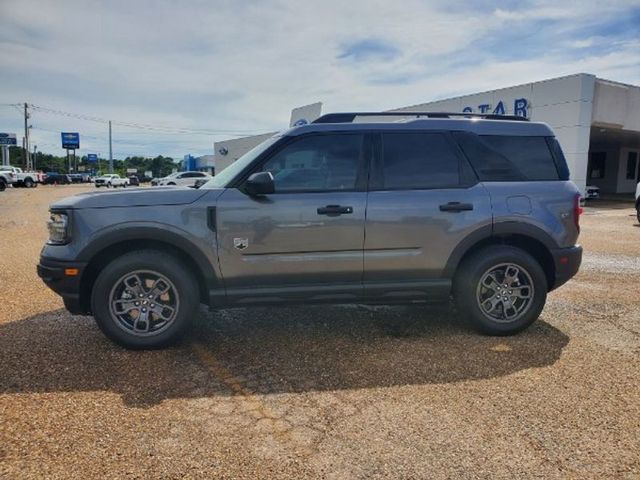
[{"x": 353, "y": 208}]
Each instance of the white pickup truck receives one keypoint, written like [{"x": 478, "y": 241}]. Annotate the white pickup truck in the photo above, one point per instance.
[
  {"x": 6, "y": 178},
  {"x": 22, "y": 179},
  {"x": 111, "y": 180}
]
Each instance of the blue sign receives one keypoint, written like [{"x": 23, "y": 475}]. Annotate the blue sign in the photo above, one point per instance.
[
  {"x": 520, "y": 108},
  {"x": 8, "y": 139},
  {"x": 70, "y": 140},
  {"x": 189, "y": 163},
  {"x": 92, "y": 157}
]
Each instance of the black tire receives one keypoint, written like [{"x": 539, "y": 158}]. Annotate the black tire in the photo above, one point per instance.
[
  {"x": 171, "y": 183},
  {"x": 156, "y": 262},
  {"x": 467, "y": 290},
  {"x": 638, "y": 213},
  {"x": 28, "y": 183},
  {"x": 3, "y": 185}
]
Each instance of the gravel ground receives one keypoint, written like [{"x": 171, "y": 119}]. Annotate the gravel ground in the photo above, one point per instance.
[{"x": 324, "y": 392}]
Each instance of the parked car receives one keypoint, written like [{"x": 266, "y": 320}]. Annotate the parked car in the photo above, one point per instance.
[
  {"x": 111, "y": 180},
  {"x": 22, "y": 179},
  {"x": 450, "y": 206},
  {"x": 7, "y": 177},
  {"x": 77, "y": 178},
  {"x": 592, "y": 192},
  {"x": 133, "y": 180},
  {"x": 54, "y": 178},
  {"x": 185, "y": 179}
]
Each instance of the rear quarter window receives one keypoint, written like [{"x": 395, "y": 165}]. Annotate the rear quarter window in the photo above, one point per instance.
[{"x": 509, "y": 158}]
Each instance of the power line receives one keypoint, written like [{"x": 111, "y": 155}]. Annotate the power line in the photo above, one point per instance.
[{"x": 155, "y": 128}]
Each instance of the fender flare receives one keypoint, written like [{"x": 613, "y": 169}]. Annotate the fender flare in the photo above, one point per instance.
[
  {"x": 177, "y": 238},
  {"x": 498, "y": 229}
]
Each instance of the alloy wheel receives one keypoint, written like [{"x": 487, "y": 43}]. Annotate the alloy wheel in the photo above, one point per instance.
[
  {"x": 505, "y": 292},
  {"x": 144, "y": 303}
]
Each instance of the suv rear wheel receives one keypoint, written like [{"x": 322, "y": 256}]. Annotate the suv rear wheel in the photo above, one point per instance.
[
  {"x": 3, "y": 185},
  {"x": 500, "y": 290},
  {"x": 144, "y": 299}
]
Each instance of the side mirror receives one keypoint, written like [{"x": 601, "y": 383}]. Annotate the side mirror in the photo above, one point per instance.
[{"x": 260, "y": 183}]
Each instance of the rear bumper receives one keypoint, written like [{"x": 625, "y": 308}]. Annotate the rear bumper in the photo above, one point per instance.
[
  {"x": 567, "y": 263},
  {"x": 54, "y": 274}
]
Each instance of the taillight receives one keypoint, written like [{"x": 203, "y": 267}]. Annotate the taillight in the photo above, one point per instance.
[{"x": 577, "y": 211}]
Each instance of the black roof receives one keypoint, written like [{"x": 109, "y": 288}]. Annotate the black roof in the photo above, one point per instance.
[
  {"x": 480, "y": 124},
  {"x": 348, "y": 117}
]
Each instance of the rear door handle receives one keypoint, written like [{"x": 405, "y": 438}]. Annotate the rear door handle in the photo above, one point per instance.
[
  {"x": 334, "y": 210},
  {"x": 456, "y": 207}
]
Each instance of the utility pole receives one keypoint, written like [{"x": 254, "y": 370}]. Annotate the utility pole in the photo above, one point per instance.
[
  {"x": 27, "y": 158},
  {"x": 110, "y": 151},
  {"x": 33, "y": 160}
]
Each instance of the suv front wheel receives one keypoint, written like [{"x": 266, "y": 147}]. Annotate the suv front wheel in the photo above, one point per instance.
[
  {"x": 144, "y": 299},
  {"x": 500, "y": 290}
]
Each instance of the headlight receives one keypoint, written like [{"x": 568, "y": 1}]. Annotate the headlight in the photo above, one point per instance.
[{"x": 58, "y": 226}]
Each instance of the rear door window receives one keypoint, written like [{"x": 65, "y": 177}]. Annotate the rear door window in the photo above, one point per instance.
[{"x": 414, "y": 161}]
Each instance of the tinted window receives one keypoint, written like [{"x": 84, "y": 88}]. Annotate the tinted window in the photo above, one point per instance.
[
  {"x": 558, "y": 156},
  {"x": 530, "y": 155},
  {"x": 418, "y": 160},
  {"x": 508, "y": 158},
  {"x": 316, "y": 163}
]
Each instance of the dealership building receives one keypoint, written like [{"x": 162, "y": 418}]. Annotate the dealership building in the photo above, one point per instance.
[{"x": 596, "y": 121}]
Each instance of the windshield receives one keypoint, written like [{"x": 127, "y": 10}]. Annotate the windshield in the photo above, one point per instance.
[{"x": 223, "y": 178}]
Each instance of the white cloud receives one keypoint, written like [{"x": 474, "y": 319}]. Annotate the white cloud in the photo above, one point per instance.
[{"x": 232, "y": 65}]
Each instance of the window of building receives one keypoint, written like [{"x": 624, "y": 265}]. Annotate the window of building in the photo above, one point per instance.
[
  {"x": 418, "y": 161},
  {"x": 317, "y": 163},
  {"x": 596, "y": 165},
  {"x": 632, "y": 161}
]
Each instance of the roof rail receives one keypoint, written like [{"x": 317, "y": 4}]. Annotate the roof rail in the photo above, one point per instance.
[{"x": 349, "y": 117}]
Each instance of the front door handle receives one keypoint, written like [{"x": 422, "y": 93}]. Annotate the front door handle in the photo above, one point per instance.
[
  {"x": 334, "y": 210},
  {"x": 456, "y": 207}
]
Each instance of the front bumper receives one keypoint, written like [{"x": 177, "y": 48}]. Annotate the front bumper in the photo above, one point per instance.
[
  {"x": 55, "y": 274},
  {"x": 567, "y": 263}
]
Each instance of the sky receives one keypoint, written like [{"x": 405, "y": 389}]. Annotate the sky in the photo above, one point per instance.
[{"x": 176, "y": 76}]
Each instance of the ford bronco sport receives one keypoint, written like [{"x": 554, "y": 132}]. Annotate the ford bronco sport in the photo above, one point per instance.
[{"x": 353, "y": 208}]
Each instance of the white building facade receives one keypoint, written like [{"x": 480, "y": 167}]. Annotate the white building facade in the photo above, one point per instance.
[{"x": 596, "y": 121}]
